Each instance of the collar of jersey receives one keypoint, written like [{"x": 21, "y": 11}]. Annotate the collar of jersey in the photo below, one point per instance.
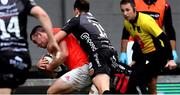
[{"x": 135, "y": 20}]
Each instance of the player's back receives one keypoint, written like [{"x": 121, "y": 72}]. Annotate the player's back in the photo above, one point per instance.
[{"x": 76, "y": 55}]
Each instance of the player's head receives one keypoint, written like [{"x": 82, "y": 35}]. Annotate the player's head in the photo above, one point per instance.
[
  {"x": 39, "y": 37},
  {"x": 128, "y": 9},
  {"x": 81, "y": 6}
]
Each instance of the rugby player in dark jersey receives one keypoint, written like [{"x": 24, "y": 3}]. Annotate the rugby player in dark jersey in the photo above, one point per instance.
[
  {"x": 15, "y": 59},
  {"x": 93, "y": 39}
]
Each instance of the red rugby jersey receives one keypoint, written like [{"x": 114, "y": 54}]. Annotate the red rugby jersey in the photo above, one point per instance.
[{"x": 76, "y": 55}]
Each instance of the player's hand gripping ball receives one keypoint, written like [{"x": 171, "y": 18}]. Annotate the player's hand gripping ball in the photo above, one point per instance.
[{"x": 49, "y": 58}]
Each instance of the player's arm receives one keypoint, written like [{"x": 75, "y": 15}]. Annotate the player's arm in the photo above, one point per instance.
[
  {"x": 60, "y": 35},
  {"x": 157, "y": 32},
  {"x": 124, "y": 42},
  {"x": 170, "y": 31},
  {"x": 58, "y": 59},
  {"x": 170, "y": 64},
  {"x": 168, "y": 25},
  {"x": 42, "y": 63},
  {"x": 45, "y": 21},
  {"x": 153, "y": 29},
  {"x": 70, "y": 26},
  {"x": 167, "y": 45}
]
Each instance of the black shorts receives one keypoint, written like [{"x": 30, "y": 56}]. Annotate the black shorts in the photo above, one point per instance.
[
  {"x": 155, "y": 62},
  {"x": 143, "y": 73},
  {"x": 100, "y": 62},
  {"x": 14, "y": 68}
]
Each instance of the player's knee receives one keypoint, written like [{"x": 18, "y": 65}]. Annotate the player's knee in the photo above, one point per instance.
[{"x": 51, "y": 91}]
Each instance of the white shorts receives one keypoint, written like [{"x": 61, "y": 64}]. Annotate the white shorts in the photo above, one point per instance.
[
  {"x": 78, "y": 78},
  {"x": 93, "y": 90}
]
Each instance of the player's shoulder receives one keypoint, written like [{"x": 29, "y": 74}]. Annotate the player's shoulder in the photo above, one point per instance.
[
  {"x": 74, "y": 19},
  {"x": 145, "y": 19},
  {"x": 144, "y": 16}
]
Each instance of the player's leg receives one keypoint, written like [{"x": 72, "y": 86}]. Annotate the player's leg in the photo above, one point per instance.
[
  {"x": 138, "y": 79},
  {"x": 99, "y": 77},
  {"x": 6, "y": 91},
  {"x": 102, "y": 85},
  {"x": 93, "y": 90},
  {"x": 100, "y": 70},
  {"x": 160, "y": 63},
  {"x": 14, "y": 67},
  {"x": 73, "y": 80},
  {"x": 59, "y": 86},
  {"x": 152, "y": 86}
]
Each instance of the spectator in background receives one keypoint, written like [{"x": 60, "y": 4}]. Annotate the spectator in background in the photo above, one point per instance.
[
  {"x": 160, "y": 10},
  {"x": 153, "y": 42},
  {"x": 15, "y": 58}
]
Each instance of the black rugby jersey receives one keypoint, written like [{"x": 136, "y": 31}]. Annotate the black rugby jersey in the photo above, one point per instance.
[
  {"x": 13, "y": 23},
  {"x": 88, "y": 31}
]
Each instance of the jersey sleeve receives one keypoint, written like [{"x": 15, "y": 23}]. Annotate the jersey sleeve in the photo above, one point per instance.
[
  {"x": 152, "y": 27},
  {"x": 125, "y": 34},
  {"x": 29, "y": 4},
  {"x": 168, "y": 24},
  {"x": 71, "y": 25},
  {"x": 167, "y": 44}
]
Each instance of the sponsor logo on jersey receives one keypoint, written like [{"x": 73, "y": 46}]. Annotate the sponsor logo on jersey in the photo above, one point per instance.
[
  {"x": 154, "y": 15},
  {"x": 85, "y": 36}
]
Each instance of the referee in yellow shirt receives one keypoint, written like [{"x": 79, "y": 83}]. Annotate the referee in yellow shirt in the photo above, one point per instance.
[{"x": 154, "y": 45}]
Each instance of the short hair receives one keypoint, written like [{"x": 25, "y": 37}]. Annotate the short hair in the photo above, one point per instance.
[
  {"x": 128, "y": 1},
  {"x": 35, "y": 29},
  {"x": 82, "y": 5}
]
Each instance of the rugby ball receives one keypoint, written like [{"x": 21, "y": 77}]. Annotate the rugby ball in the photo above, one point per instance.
[{"x": 49, "y": 58}]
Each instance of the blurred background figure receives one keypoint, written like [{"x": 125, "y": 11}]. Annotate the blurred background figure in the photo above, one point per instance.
[{"x": 15, "y": 58}]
